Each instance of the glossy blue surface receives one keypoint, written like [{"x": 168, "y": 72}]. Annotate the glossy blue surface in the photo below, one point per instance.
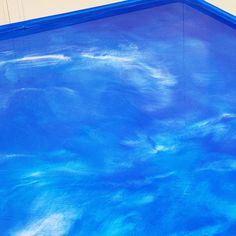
[{"x": 121, "y": 126}]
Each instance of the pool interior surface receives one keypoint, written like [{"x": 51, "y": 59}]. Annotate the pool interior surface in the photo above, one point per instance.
[{"x": 120, "y": 126}]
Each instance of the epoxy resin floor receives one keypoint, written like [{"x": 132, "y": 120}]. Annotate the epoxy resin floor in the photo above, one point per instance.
[{"x": 123, "y": 126}]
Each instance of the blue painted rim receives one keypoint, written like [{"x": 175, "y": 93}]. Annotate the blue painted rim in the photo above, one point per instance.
[{"x": 66, "y": 19}]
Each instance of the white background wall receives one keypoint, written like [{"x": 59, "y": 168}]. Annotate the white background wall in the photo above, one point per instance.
[{"x": 19, "y": 10}]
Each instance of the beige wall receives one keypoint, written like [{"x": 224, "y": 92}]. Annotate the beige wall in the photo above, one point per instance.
[
  {"x": 227, "y": 5},
  {"x": 19, "y": 10},
  {"x": 4, "y": 18}
]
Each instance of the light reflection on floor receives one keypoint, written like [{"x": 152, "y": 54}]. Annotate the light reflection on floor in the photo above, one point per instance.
[{"x": 114, "y": 127}]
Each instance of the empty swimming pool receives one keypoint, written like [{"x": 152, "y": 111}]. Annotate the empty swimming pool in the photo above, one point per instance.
[{"x": 124, "y": 125}]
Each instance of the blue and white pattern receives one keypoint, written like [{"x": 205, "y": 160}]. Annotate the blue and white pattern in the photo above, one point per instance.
[{"x": 120, "y": 126}]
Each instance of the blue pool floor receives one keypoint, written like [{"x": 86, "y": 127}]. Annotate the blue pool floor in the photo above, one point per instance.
[{"x": 123, "y": 126}]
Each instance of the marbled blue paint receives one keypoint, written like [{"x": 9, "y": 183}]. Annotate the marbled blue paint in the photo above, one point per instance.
[{"x": 121, "y": 126}]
